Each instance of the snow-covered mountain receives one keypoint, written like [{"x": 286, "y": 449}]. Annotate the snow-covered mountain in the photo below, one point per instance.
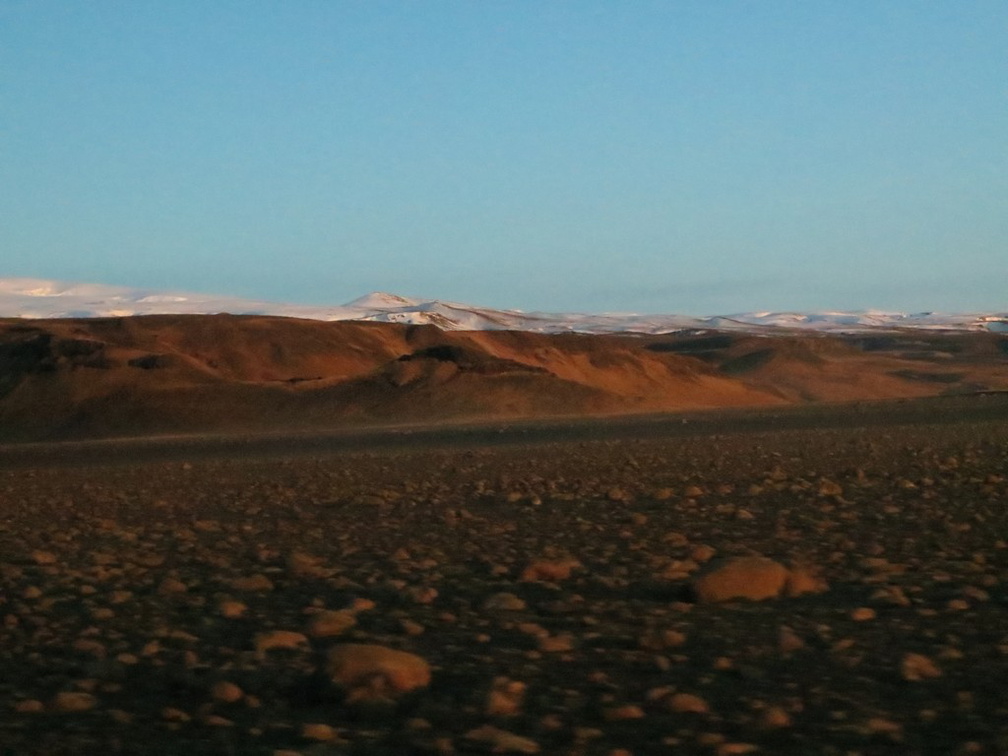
[{"x": 36, "y": 298}]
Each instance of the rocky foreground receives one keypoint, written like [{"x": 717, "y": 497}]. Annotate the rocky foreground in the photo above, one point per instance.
[{"x": 833, "y": 591}]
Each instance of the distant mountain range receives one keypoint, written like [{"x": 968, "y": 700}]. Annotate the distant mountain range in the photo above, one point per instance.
[{"x": 37, "y": 298}]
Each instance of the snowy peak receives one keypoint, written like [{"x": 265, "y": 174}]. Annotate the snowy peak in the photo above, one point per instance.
[
  {"x": 382, "y": 300},
  {"x": 39, "y": 298}
]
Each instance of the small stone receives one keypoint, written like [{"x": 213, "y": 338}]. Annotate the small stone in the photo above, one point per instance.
[
  {"x": 71, "y": 702},
  {"x": 362, "y": 605},
  {"x": 891, "y": 595},
  {"x": 702, "y": 553},
  {"x": 624, "y": 712},
  {"x": 230, "y": 609},
  {"x": 320, "y": 732},
  {"x": 301, "y": 565},
  {"x": 502, "y": 741},
  {"x": 774, "y": 717},
  {"x": 504, "y": 602},
  {"x": 226, "y": 692},
  {"x": 556, "y": 643},
  {"x": 505, "y": 698},
  {"x": 327, "y": 624},
  {"x": 410, "y": 627},
  {"x": 89, "y": 646},
  {"x": 735, "y": 749},
  {"x": 802, "y": 580},
  {"x": 863, "y": 614},
  {"x": 170, "y": 586},
  {"x": 552, "y": 571},
  {"x": 687, "y": 703},
  {"x": 422, "y": 594},
  {"x": 371, "y": 671},
  {"x": 253, "y": 583},
  {"x": 44, "y": 557},
  {"x": 788, "y": 640},
  {"x": 280, "y": 639},
  {"x": 29, "y": 706},
  {"x": 661, "y": 640},
  {"x": 882, "y": 726},
  {"x": 917, "y": 667},
  {"x": 171, "y": 714},
  {"x": 830, "y": 488}
]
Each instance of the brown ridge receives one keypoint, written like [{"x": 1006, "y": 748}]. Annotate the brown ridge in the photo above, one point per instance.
[{"x": 193, "y": 373}]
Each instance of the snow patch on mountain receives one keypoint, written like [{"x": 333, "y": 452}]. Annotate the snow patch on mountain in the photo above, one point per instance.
[{"x": 38, "y": 298}]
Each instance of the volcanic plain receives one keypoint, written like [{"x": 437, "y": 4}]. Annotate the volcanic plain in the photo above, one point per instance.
[{"x": 548, "y": 587}]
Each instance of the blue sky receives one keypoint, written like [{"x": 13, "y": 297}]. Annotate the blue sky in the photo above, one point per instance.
[{"x": 694, "y": 157}]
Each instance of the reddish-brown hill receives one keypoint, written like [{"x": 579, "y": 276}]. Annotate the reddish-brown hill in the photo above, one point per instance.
[{"x": 169, "y": 374}]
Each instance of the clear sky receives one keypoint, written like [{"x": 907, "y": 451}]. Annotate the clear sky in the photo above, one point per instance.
[{"x": 670, "y": 156}]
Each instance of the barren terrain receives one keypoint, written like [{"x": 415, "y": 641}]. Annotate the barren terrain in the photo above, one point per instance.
[
  {"x": 107, "y": 377},
  {"x": 557, "y": 587}
]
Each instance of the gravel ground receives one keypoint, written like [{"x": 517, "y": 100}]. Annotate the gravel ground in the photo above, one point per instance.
[{"x": 245, "y": 598}]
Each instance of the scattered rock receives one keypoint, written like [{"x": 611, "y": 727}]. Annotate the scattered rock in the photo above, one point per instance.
[
  {"x": 505, "y": 697},
  {"x": 328, "y": 623},
  {"x": 829, "y": 487},
  {"x": 302, "y": 566},
  {"x": 501, "y": 741},
  {"x": 504, "y": 602},
  {"x": 253, "y": 583},
  {"x": 624, "y": 712},
  {"x": 552, "y": 571},
  {"x": 917, "y": 667},
  {"x": 231, "y": 609},
  {"x": 754, "y": 578},
  {"x": 788, "y": 641},
  {"x": 371, "y": 672},
  {"x": 687, "y": 703},
  {"x": 552, "y": 644},
  {"x": 226, "y": 692},
  {"x": 73, "y": 701},
  {"x": 280, "y": 640},
  {"x": 702, "y": 553},
  {"x": 171, "y": 585},
  {"x": 802, "y": 580},
  {"x": 322, "y": 733},
  {"x": 774, "y": 717}
]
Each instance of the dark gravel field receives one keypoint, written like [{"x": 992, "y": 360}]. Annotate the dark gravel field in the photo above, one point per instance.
[{"x": 829, "y": 580}]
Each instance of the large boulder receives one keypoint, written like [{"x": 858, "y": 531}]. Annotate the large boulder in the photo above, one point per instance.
[{"x": 755, "y": 578}]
